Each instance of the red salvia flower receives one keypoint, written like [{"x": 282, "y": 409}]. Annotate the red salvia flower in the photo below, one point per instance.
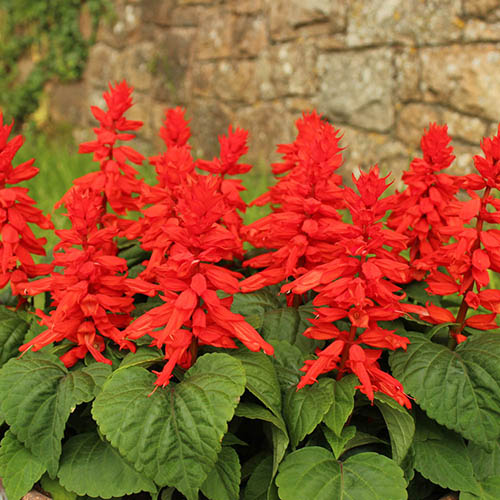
[
  {"x": 176, "y": 176},
  {"x": 359, "y": 284},
  {"x": 89, "y": 296},
  {"x": 18, "y": 243},
  {"x": 175, "y": 131},
  {"x": 189, "y": 277},
  {"x": 116, "y": 177},
  {"x": 419, "y": 211},
  {"x": 232, "y": 148},
  {"x": 304, "y": 222},
  {"x": 473, "y": 250}
]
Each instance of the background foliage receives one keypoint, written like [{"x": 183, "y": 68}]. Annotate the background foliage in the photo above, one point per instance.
[{"x": 41, "y": 41}]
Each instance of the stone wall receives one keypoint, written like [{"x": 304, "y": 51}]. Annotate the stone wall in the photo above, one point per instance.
[{"x": 381, "y": 70}]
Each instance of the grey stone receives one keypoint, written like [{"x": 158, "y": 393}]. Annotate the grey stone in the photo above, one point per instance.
[
  {"x": 401, "y": 21},
  {"x": 357, "y": 88},
  {"x": 466, "y": 78}
]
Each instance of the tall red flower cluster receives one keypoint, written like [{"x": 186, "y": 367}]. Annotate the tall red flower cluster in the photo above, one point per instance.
[
  {"x": 303, "y": 224},
  {"x": 89, "y": 294},
  {"x": 116, "y": 178},
  {"x": 421, "y": 209},
  {"x": 358, "y": 284},
  {"x": 18, "y": 243},
  {"x": 462, "y": 265},
  {"x": 192, "y": 226},
  {"x": 173, "y": 169},
  {"x": 232, "y": 148}
]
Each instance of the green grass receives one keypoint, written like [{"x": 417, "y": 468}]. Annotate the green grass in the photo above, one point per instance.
[{"x": 256, "y": 182}]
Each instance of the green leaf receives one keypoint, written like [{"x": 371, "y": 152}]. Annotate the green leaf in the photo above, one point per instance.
[
  {"x": 362, "y": 439},
  {"x": 400, "y": 425},
  {"x": 313, "y": 473},
  {"x": 261, "y": 379},
  {"x": 133, "y": 254},
  {"x": 86, "y": 383},
  {"x": 279, "y": 433},
  {"x": 86, "y": 457},
  {"x": 255, "y": 411},
  {"x": 268, "y": 312},
  {"x": 417, "y": 290},
  {"x": 288, "y": 359},
  {"x": 488, "y": 490},
  {"x": 431, "y": 332},
  {"x": 33, "y": 330},
  {"x": 441, "y": 456},
  {"x": 260, "y": 480},
  {"x": 280, "y": 444},
  {"x": 337, "y": 443},
  {"x": 55, "y": 490},
  {"x": 223, "y": 481},
  {"x": 181, "y": 425},
  {"x": 343, "y": 403},
  {"x": 37, "y": 394},
  {"x": 230, "y": 439},
  {"x": 144, "y": 356},
  {"x": 460, "y": 389},
  {"x": 304, "y": 409},
  {"x": 19, "y": 468},
  {"x": 485, "y": 463},
  {"x": 13, "y": 327}
]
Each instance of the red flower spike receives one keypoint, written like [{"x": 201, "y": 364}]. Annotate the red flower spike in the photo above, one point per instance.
[
  {"x": 305, "y": 221},
  {"x": 358, "y": 283},
  {"x": 473, "y": 250},
  {"x": 187, "y": 271},
  {"x": 116, "y": 178},
  {"x": 18, "y": 243},
  {"x": 420, "y": 211},
  {"x": 175, "y": 131},
  {"x": 90, "y": 297},
  {"x": 232, "y": 147}
]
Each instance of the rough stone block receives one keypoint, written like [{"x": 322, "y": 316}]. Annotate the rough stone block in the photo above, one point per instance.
[
  {"x": 187, "y": 15},
  {"x": 479, "y": 30},
  {"x": 415, "y": 117},
  {"x": 170, "y": 63},
  {"x": 209, "y": 118},
  {"x": 357, "y": 88},
  {"x": 246, "y": 6},
  {"x": 399, "y": 21},
  {"x": 466, "y": 78},
  {"x": 287, "y": 69},
  {"x": 289, "y": 18},
  {"x": 135, "y": 64},
  {"x": 102, "y": 65},
  {"x": 228, "y": 80},
  {"x": 125, "y": 27},
  {"x": 249, "y": 35},
  {"x": 407, "y": 73},
  {"x": 159, "y": 12},
  {"x": 480, "y": 8},
  {"x": 215, "y": 34}
]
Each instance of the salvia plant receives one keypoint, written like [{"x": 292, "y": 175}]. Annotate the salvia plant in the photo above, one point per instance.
[{"x": 352, "y": 352}]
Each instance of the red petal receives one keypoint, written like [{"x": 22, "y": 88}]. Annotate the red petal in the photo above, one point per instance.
[{"x": 482, "y": 321}]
